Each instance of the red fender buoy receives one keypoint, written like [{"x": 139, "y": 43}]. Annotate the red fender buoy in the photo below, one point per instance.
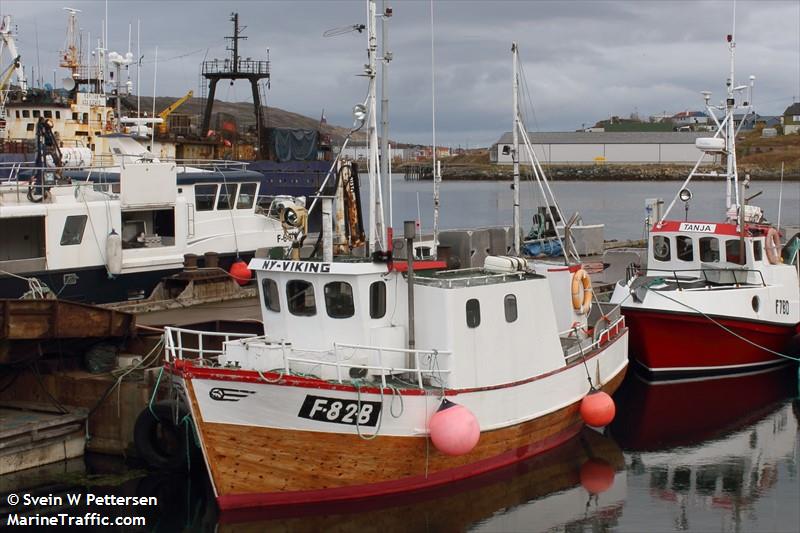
[
  {"x": 454, "y": 429},
  {"x": 598, "y": 409},
  {"x": 597, "y": 475},
  {"x": 241, "y": 273}
]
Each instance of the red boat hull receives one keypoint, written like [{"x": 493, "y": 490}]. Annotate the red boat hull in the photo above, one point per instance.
[{"x": 664, "y": 342}]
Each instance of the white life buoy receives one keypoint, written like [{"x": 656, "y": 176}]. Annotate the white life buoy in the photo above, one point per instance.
[{"x": 773, "y": 246}]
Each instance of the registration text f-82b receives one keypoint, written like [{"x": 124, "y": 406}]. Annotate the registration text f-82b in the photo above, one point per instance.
[{"x": 340, "y": 411}]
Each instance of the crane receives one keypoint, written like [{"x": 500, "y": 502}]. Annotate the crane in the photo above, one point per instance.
[{"x": 164, "y": 127}]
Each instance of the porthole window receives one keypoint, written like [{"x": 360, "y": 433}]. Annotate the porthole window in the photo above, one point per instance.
[
  {"x": 73, "y": 230},
  {"x": 300, "y": 298},
  {"x": 709, "y": 249},
  {"x": 270, "y": 293},
  {"x": 684, "y": 248},
  {"x": 756, "y": 303},
  {"x": 377, "y": 299},
  {"x": 339, "y": 299},
  {"x": 473, "y": 313},
  {"x": 661, "y": 248},
  {"x": 510, "y": 306}
]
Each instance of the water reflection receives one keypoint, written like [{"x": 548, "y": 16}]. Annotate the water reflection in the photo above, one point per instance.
[{"x": 707, "y": 450}]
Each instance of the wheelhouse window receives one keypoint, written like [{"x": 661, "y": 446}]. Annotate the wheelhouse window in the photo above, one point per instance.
[
  {"x": 684, "y": 248},
  {"x": 204, "y": 196},
  {"x": 269, "y": 290},
  {"x": 300, "y": 298},
  {"x": 73, "y": 230},
  {"x": 734, "y": 252},
  {"x": 26, "y": 113},
  {"x": 758, "y": 251},
  {"x": 473, "y": 313},
  {"x": 661, "y": 251},
  {"x": 339, "y": 299},
  {"x": 709, "y": 249},
  {"x": 227, "y": 192},
  {"x": 510, "y": 306},
  {"x": 247, "y": 196},
  {"x": 377, "y": 299}
]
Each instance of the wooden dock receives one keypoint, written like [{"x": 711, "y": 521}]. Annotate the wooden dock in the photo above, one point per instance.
[{"x": 36, "y": 434}]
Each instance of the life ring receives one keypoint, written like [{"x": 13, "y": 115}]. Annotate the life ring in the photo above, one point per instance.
[
  {"x": 773, "y": 246},
  {"x": 581, "y": 292},
  {"x": 159, "y": 441}
]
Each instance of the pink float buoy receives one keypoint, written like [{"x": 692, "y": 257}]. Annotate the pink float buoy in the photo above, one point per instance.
[
  {"x": 241, "y": 273},
  {"x": 454, "y": 429},
  {"x": 598, "y": 409}
]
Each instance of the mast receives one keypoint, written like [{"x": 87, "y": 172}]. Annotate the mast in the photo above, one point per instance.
[
  {"x": 376, "y": 224},
  {"x": 436, "y": 176},
  {"x": 730, "y": 130},
  {"x": 515, "y": 149},
  {"x": 386, "y": 56}
]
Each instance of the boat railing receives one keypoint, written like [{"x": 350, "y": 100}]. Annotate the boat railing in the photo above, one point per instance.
[
  {"x": 673, "y": 275},
  {"x": 205, "y": 349},
  {"x": 176, "y": 348},
  {"x": 466, "y": 277},
  {"x": 599, "y": 337}
]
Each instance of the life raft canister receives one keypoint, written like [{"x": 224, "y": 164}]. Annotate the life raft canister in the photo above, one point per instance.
[{"x": 581, "y": 292}]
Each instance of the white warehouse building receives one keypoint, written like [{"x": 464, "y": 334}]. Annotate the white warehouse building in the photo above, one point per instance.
[{"x": 603, "y": 147}]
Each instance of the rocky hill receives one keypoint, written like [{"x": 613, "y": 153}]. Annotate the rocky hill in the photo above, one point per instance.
[{"x": 275, "y": 117}]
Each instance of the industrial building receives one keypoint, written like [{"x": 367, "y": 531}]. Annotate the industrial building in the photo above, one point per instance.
[{"x": 603, "y": 147}]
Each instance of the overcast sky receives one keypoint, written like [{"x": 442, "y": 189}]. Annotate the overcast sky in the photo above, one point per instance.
[{"x": 583, "y": 60}]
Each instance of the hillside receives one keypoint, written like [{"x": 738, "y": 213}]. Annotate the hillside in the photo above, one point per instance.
[{"x": 275, "y": 117}]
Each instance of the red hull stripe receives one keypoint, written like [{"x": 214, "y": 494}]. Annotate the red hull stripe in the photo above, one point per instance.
[
  {"x": 186, "y": 369},
  {"x": 238, "y": 501}
]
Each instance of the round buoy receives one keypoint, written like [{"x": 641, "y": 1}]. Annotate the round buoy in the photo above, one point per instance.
[
  {"x": 597, "y": 476},
  {"x": 241, "y": 273},
  {"x": 454, "y": 429},
  {"x": 598, "y": 409}
]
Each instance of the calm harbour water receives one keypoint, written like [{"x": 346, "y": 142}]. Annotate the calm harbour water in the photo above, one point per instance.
[
  {"x": 620, "y": 205},
  {"x": 694, "y": 455}
]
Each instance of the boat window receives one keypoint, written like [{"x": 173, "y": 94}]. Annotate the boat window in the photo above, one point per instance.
[
  {"x": 204, "y": 196},
  {"x": 377, "y": 299},
  {"x": 227, "y": 192},
  {"x": 473, "y": 313},
  {"x": 732, "y": 251},
  {"x": 270, "y": 291},
  {"x": 58, "y": 114},
  {"x": 709, "y": 249},
  {"x": 74, "y": 116},
  {"x": 35, "y": 113},
  {"x": 339, "y": 299},
  {"x": 17, "y": 113},
  {"x": 73, "y": 230},
  {"x": 757, "y": 251},
  {"x": 684, "y": 248},
  {"x": 300, "y": 298},
  {"x": 510, "y": 305},
  {"x": 661, "y": 248},
  {"x": 29, "y": 127},
  {"x": 247, "y": 196},
  {"x": 48, "y": 113},
  {"x": 26, "y": 113}
]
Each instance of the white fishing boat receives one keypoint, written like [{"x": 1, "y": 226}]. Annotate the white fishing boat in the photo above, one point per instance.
[
  {"x": 376, "y": 377},
  {"x": 110, "y": 233},
  {"x": 717, "y": 295}
]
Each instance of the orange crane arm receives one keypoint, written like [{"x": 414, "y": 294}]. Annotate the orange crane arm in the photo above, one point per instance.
[{"x": 163, "y": 127}]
